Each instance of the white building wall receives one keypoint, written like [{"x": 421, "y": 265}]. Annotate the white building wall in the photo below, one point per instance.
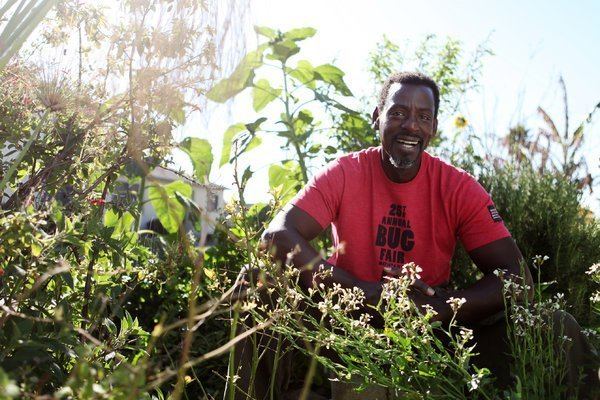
[{"x": 200, "y": 195}]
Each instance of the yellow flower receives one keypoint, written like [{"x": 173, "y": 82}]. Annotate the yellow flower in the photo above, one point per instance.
[{"x": 460, "y": 122}]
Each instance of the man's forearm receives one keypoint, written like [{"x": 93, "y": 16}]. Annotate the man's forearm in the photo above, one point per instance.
[
  {"x": 482, "y": 299},
  {"x": 288, "y": 246}
]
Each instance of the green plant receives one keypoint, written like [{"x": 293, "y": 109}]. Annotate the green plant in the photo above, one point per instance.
[
  {"x": 537, "y": 340},
  {"x": 299, "y": 87},
  {"x": 77, "y": 277},
  {"x": 23, "y": 19},
  {"x": 553, "y": 150},
  {"x": 544, "y": 215},
  {"x": 409, "y": 354},
  {"x": 442, "y": 59}
]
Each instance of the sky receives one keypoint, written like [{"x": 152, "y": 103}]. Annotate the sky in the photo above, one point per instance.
[{"x": 534, "y": 43}]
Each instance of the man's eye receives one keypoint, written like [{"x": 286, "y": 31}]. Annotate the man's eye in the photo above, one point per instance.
[
  {"x": 425, "y": 117},
  {"x": 397, "y": 113}
]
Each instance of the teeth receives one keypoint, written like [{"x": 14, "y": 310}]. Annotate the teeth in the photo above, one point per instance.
[{"x": 408, "y": 142}]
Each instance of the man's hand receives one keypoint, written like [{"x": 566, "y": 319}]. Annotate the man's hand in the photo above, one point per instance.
[
  {"x": 417, "y": 284},
  {"x": 421, "y": 294},
  {"x": 372, "y": 291},
  {"x": 484, "y": 298}
]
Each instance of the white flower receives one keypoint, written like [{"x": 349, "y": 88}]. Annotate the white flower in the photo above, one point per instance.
[
  {"x": 292, "y": 272},
  {"x": 249, "y": 305},
  {"x": 412, "y": 270},
  {"x": 429, "y": 310},
  {"x": 466, "y": 334},
  {"x": 456, "y": 303},
  {"x": 293, "y": 296},
  {"x": 594, "y": 269},
  {"x": 539, "y": 260},
  {"x": 362, "y": 322},
  {"x": 474, "y": 382}
]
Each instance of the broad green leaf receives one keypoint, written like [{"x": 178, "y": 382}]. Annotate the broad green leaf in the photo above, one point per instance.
[
  {"x": 246, "y": 176},
  {"x": 244, "y": 142},
  {"x": 57, "y": 215},
  {"x": 200, "y": 152},
  {"x": 304, "y": 73},
  {"x": 168, "y": 209},
  {"x": 121, "y": 224},
  {"x": 263, "y": 94},
  {"x": 283, "y": 50},
  {"x": 300, "y": 33},
  {"x": 285, "y": 180},
  {"x": 354, "y": 122},
  {"x": 228, "y": 140},
  {"x": 266, "y": 31},
  {"x": 302, "y": 122},
  {"x": 323, "y": 98},
  {"x": 254, "y": 142},
  {"x": 194, "y": 211},
  {"x": 36, "y": 249},
  {"x": 241, "y": 78},
  {"x": 334, "y": 76}
]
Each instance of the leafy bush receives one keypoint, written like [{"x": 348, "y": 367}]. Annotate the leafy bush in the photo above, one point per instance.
[
  {"x": 91, "y": 306},
  {"x": 545, "y": 217}
]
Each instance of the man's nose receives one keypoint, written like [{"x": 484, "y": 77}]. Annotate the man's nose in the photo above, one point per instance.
[{"x": 410, "y": 123}]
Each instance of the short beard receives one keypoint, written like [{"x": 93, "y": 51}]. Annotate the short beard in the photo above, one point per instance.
[{"x": 401, "y": 164}]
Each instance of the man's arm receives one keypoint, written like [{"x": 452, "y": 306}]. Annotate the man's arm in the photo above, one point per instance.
[
  {"x": 290, "y": 232},
  {"x": 485, "y": 297}
]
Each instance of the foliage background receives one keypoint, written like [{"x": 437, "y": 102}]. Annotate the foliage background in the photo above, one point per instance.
[{"x": 95, "y": 307}]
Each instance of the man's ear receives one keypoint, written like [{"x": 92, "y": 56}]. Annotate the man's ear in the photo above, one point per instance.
[
  {"x": 434, "y": 130},
  {"x": 375, "y": 118}
]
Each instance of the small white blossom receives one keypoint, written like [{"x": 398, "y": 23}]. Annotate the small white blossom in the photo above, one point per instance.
[
  {"x": 474, "y": 382},
  {"x": 466, "y": 334},
  {"x": 412, "y": 271},
  {"x": 249, "y": 305},
  {"x": 456, "y": 303},
  {"x": 594, "y": 270}
]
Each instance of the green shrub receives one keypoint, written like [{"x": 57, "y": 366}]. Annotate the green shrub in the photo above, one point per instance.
[{"x": 545, "y": 217}]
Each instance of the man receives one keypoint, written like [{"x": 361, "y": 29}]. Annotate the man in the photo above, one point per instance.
[{"x": 395, "y": 204}]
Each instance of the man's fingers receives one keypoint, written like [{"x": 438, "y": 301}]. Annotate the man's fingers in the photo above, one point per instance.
[
  {"x": 423, "y": 287},
  {"x": 392, "y": 271},
  {"x": 418, "y": 284}
]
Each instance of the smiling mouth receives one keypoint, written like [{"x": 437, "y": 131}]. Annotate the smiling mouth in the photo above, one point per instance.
[{"x": 408, "y": 143}]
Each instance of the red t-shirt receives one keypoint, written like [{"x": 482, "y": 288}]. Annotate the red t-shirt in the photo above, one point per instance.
[{"x": 377, "y": 222}]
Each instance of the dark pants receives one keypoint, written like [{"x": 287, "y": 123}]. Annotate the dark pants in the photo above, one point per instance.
[{"x": 273, "y": 357}]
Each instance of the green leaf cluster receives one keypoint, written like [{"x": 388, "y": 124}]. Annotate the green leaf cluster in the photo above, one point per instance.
[{"x": 302, "y": 88}]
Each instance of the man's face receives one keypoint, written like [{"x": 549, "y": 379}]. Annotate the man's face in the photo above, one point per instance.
[{"x": 406, "y": 125}]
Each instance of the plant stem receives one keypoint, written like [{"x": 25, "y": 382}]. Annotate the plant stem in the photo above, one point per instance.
[
  {"x": 138, "y": 217},
  {"x": 290, "y": 123},
  {"x": 189, "y": 334},
  {"x": 274, "y": 370},
  {"x": 231, "y": 373},
  {"x": 309, "y": 375}
]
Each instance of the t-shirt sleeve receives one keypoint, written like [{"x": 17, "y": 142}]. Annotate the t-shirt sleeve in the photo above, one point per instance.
[
  {"x": 479, "y": 221},
  {"x": 321, "y": 197}
]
